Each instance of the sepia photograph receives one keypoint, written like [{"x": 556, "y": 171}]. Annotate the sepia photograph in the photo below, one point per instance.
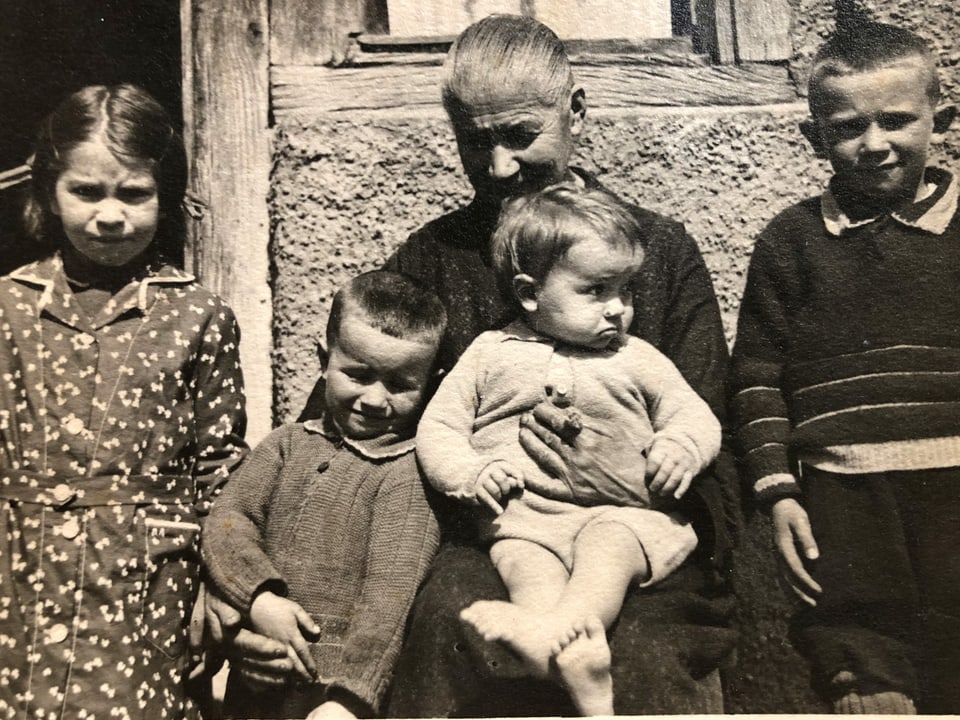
[{"x": 271, "y": 274}]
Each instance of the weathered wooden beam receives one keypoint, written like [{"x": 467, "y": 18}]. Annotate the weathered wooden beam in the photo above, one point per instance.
[
  {"x": 763, "y": 30},
  {"x": 373, "y": 43},
  {"x": 315, "y": 32},
  {"x": 226, "y": 104},
  {"x": 301, "y": 93},
  {"x": 714, "y": 29}
]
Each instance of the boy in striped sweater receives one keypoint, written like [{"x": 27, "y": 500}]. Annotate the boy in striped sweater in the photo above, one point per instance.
[{"x": 845, "y": 384}]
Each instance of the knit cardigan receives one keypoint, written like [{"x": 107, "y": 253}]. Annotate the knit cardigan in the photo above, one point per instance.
[
  {"x": 848, "y": 349},
  {"x": 474, "y": 418},
  {"x": 341, "y": 527}
]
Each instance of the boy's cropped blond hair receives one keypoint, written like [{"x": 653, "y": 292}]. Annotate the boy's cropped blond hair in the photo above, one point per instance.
[
  {"x": 867, "y": 46},
  {"x": 535, "y": 231},
  {"x": 505, "y": 56}
]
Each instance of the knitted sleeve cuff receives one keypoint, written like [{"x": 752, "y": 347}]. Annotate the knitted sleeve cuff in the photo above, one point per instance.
[{"x": 771, "y": 488}]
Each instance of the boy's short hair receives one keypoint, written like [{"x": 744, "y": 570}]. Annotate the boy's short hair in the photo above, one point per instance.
[
  {"x": 869, "y": 46},
  {"x": 535, "y": 231},
  {"x": 505, "y": 55},
  {"x": 392, "y": 303}
]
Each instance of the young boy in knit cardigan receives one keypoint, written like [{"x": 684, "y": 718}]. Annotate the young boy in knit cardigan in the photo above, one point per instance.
[
  {"x": 845, "y": 384},
  {"x": 323, "y": 535}
]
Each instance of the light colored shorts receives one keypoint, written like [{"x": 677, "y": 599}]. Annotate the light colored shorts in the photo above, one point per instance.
[{"x": 667, "y": 539}]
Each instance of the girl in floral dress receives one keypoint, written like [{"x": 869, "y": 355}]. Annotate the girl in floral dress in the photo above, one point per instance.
[{"x": 121, "y": 414}]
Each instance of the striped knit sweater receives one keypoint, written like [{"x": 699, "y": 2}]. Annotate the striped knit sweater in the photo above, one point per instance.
[{"x": 848, "y": 344}]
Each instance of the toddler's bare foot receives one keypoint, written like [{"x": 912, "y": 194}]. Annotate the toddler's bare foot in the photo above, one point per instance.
[
  {"x": 533, "y": 637},
  {"x": 584, "y": 667}
]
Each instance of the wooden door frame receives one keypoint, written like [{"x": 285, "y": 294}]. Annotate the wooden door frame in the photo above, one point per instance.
[{"x": 228, "y": 139}]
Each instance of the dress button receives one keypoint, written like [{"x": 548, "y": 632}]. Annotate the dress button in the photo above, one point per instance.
[
  {"x": 73, "y": 426},
  {"x": 57, "y": 633},
  {"x": 70, "y": 529},
  {"x": 62, "y": 493}
]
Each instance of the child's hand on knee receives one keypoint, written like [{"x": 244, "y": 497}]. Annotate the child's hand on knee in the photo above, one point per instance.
[
  {"x": 495, "y": 482},
  {"x": 284, "y": 620},
  {"x": 670, "y": 468}
]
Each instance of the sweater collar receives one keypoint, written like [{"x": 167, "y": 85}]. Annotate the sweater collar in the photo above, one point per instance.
[
  {"x": 519, "y": 330},
  {"x": 382, "y": 447},
  {"x": 932, "y": 214}
]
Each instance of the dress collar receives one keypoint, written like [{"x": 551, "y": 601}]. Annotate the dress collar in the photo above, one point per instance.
[
  {"x": 932, "y": 214},
  {"x": 57, "y": 298},
  {"x": 382, "y": 447}
]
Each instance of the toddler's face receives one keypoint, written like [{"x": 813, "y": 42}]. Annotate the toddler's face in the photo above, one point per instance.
[
  {"x": 109, "y": 209},
  {"x": 586, "y": 299},
  {"x": 375, "y": 382},
  {"x": 875, "y": 128}
]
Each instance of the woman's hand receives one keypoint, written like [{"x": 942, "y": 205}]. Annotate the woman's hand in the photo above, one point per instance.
[{"x": 592, "y": 455}]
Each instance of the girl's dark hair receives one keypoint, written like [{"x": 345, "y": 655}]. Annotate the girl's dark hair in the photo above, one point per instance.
[{"x": 133, "y": 126}]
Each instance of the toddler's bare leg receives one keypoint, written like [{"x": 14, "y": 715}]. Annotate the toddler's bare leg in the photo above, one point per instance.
[
  {"x": 534, "y": 576},
  {"x": 607, "y": 558},
  {"x": 535, "y": 579}
]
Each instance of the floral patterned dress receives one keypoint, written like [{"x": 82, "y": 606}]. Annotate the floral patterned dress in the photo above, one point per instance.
[{"x": 115, "y": 433}]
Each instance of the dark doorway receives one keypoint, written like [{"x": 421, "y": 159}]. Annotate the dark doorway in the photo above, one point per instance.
[{"x": 49, "y": 48}]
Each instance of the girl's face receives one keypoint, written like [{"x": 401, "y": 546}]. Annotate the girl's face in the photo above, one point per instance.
[{"x": 109, "y": 208}]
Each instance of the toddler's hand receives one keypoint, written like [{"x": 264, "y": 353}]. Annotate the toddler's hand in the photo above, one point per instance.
[
  {"x": 495, "y": 482},
  {"x": 284, "y": 620},
  {"x": 330, "y": 710},
  {"x": 670, "y": 468}
]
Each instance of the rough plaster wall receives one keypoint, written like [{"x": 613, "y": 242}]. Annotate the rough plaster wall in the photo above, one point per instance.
[
  {"x": 811, "y": 22},
  {"x": 346, "y": 192}
]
